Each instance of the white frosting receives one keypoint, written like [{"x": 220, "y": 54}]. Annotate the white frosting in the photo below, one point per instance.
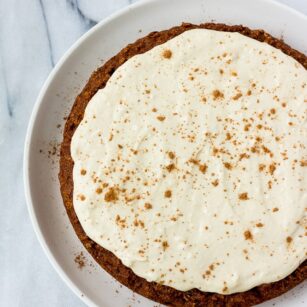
[{"x": 232, "y": 110}]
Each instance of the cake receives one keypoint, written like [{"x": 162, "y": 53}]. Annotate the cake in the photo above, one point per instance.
[{"x": 183, "y": 166}]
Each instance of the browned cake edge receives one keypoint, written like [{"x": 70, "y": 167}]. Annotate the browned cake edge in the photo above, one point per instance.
[{"x": 108, "y": 261}]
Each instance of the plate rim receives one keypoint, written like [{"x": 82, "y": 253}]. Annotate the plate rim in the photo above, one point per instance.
[{"x": 33, "y": 117}]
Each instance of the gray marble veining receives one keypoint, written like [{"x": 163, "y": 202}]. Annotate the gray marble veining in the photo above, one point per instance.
[{"x": 34, "y": 34}]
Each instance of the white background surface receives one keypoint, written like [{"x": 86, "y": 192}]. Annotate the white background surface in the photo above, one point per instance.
[{"x": 34, "y": 34}]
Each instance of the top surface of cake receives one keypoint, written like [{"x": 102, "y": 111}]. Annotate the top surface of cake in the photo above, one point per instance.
[{"x": 190, "y": 165}]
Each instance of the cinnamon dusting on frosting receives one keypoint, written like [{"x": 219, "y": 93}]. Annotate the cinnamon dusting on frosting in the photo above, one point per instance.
[
  {"x": 111, "y": 195},
  {"x": 243, "y": 196},
  {"x": 167, "y": 54}
]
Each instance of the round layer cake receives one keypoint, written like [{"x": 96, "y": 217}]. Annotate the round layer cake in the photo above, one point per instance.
[{"x": 183, "y": 166}]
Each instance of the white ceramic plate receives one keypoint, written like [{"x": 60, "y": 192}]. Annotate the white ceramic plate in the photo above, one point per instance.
[{"x": 92, "y": 284}]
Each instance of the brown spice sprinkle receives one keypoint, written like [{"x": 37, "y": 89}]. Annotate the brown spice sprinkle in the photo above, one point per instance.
[
  {"x": 111, "y": 195},
  {"x": 215, "y": 151},
  {"x": 203, "y": 168},
  {"x": 207, "y": 273},
  {"x": 167, "y": 54},
  {"x": 99, "y": 190},
  {"x": 194, "y": 161},
  {"x": 289, "y": 240},
  {"x": 161, "y": 118},
  {"x": 137, "y": 223},
  {"x": 261, "y": 167},
  {"x": 165, "y": 245},
  {"x": 83, "y": 172},
  {"x": 303, "y": 163},
  {"x": 248, "y": 235},
  {"x": 82, "y": 197},
  {"x": 243, "y": 196},
  {"x": 217, "y": 95},
  {"x": 267, "y": 151},
  {"x": 121, "y": 222},
  {"x": 171, "y": 155},
  {"x": 246, "y": 127},
  {"x": 270, "y": 184},
  {"x": 148, "y": 206},
  {"x": 80, "y": 260},
  {"x": 259, "y": 225},
  {"x": 215, "y": 182},
  {"x": 243, "y": 156},
  {"x": 170, "y": 167},
  {"x": 168, "y": 194},
  {"x": 272, "y": 168},
  {"x": 228, "y": 136},
  {"x": 275, "y": 209},
  {"x": 228, "y": 165},
  {"x": 203, "y": 99},
  {"x": 237, "y": 96}
]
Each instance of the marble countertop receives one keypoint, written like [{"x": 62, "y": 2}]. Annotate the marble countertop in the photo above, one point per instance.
[{"x": 34, "y": 34}]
